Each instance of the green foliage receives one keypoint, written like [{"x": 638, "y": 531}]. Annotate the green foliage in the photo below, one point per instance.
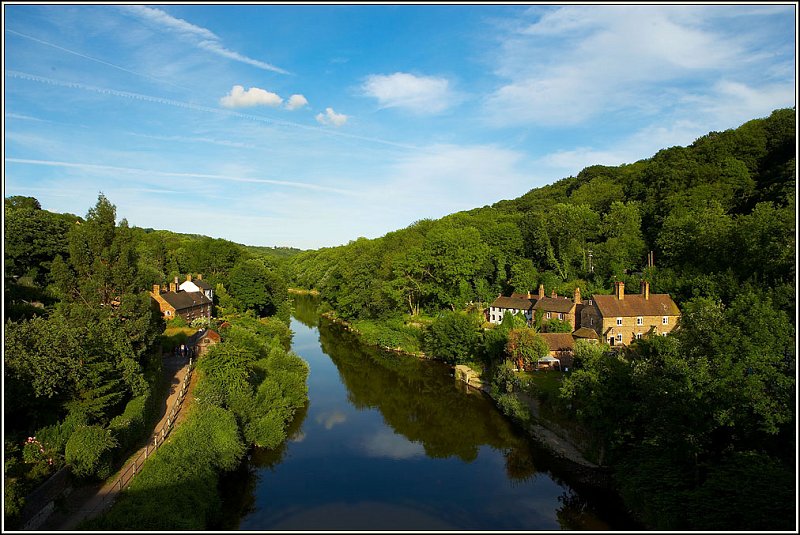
[
  {"x": 525, "y": 346},
  {"x": 256, "y": 287},
  {"x": 504, "y": 378},
  {"x": 184, "y": 473},
  {"x": 555, "y": 325},
  {"x": 89, "y": 452},
  {"x": 452, "y": 337},
  {"x": 392, "y": 333}
]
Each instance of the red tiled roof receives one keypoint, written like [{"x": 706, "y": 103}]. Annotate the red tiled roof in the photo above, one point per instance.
[
  {"x": 636, "y": 305},
  {"x": 554, "y": 304},
  {"x": 558, "y": 341},
  {"x": 585, "y": 332}
]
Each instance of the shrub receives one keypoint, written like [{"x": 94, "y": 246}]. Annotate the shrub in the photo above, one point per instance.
[
  {"x": 130, "y": 426},
  {"x": 89, "y": 451}
]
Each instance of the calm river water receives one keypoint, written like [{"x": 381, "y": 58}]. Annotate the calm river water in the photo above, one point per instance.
[{"x": 388, "y": 442}]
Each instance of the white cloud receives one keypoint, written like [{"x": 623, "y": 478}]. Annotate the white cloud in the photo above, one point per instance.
[
  {"x": 384, "y": 443},
  {"x": 576, "y": 63},
  {"x": 420, "y": 94},
  {"x": 200, "y": 37},
  {"x": 330, "y": 419},
  {"x": 241, "y": 98},
  {"x": 331, "y": 117},
  {"x": 295, "y": 102}
]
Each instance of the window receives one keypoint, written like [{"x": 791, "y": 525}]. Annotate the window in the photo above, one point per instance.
[
  {"x": 619, "y": 321},
  {"x": 492, "y": 317},
  {"x": 638, "y": 336},
  {"x": 548, "y": 315},
  {"x": 590, "y": 302},
  {"x": 591, "y": 321},
  {"x": 639, "y": 320},
  {"x": 663, "y": 334},
  {"x": 665, "y": 320},
  {"x": 560, "y": 316},
  {"x": 619, "y": 337}
]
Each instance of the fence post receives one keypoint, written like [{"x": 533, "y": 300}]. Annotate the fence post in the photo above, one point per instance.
[
  {"x": 134, "y": 467},
  {"x": 120, "y": 484}
]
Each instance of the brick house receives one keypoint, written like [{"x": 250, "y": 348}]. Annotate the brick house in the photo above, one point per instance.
[
  {"x": 562, "y": 347},
  {"x": 202, "y": 340},
  {"x": 557, "y": 307},
  {"x": 619, "y": 319},
  {"x": 173, "y": 302}
]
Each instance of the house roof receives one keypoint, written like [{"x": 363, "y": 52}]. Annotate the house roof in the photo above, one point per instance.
[
  {"x": 182, "y": 300},
  {"x": 200, "y": 283},
  {"x": 558, "y": 341},
  {"x": 636, "y": 305},
  {"x": 554, "y": 304},
  {"x": 513, "y": 302},
  {"x": 585, "y": 332},
  {"x": 207, "y": 333}
]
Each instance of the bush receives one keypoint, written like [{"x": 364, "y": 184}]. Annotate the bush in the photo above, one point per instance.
[
  {"x": 452, "y": 337},
  {"x": 130, "y": 426},
  {"x": 89, "y": 452},
  {"x": 513, "y": 408}
]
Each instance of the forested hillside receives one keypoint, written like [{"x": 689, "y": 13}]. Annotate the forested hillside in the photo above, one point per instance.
[
  {"x": 718, "y": 214},
  {"x": 698, "y": 427},
  {"x": 83, "y": 344}
]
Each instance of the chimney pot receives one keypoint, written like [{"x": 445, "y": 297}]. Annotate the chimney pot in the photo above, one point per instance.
[
  {"x": 173, "y": 287},
  {"x": 553, "y": 294},
  {"x": 577, "y": 296},
  {"x": 199, "y": 276},
  {"x": 156, "y": 289},
  {"x": 188, "y": 277},
  {"x": 646, "y": 290}
]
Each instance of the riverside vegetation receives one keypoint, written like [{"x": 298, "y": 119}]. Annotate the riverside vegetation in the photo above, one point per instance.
[
  {"x": 698, "y": 427},
  {"x": 83, "y": 360}
]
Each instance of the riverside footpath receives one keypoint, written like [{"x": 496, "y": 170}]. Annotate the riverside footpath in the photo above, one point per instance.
[{"x": 89, "y": 501}]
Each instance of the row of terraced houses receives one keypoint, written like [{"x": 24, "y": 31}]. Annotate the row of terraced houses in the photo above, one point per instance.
[{"x": 617, "y": 319}]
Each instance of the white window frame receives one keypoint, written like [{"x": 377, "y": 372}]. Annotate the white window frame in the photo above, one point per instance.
[
  {"x": 560, "y": 316},
  {"x": 639, "y": 321},
  {"x": 619, "y": 322},
  {"x": 638, "y": 336},
  {"x": 665, "y": 320},
  {"x": 619, "y": 337}
]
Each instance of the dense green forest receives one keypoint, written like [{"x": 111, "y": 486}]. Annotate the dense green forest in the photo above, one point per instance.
[
  {"x": 699, "y": 427},
  {"x": 83, "y": 345}
]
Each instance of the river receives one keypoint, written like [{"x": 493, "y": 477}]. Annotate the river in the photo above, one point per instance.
[{"x": 391, "y": 442}]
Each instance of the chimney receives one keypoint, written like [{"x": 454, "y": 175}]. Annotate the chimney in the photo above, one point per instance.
[
  {"x": 199, "y": 276},
  {"x": 646, "y": 290},
  {"x": 188, "y": 277},
  {"x": 156, "y": 289},
  {"x": 529, "y": 294},
  {"x": 553, "y": 294},
  {"x": 619, "y": 290},
  {"x": 173, "y": 287},
  {"x": 577, "y": 296},
  {"x": 541, "y": 291}
]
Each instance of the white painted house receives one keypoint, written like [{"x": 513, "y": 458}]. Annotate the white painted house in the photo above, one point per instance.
[
  {"x": 197, "y": 285},
  {"x": 514, "y": 304}
]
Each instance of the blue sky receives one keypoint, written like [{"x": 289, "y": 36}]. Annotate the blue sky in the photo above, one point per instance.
[{"x": 311, "y": 125}]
